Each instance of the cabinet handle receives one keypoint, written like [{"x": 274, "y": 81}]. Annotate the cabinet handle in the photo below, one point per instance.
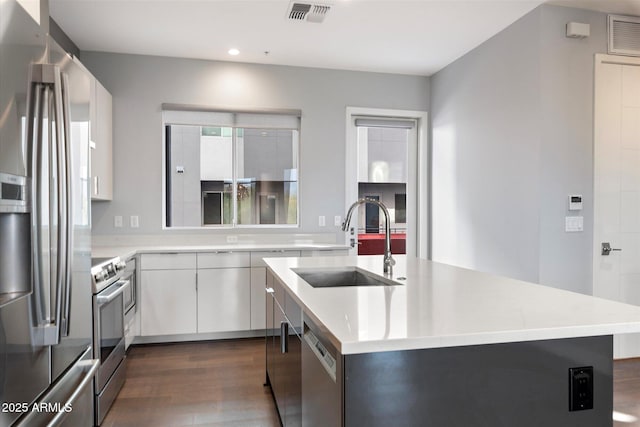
[{"x": 284, "y": 337}]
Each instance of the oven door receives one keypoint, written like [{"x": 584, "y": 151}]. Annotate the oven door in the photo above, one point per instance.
[{"x": 109, "y": 330}]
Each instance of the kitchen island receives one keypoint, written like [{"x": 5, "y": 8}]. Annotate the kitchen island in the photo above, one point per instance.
[{"x": 442, "y": 346}]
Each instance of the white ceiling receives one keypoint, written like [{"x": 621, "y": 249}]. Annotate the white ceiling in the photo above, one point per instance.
[{"x": 393, "y": 36}]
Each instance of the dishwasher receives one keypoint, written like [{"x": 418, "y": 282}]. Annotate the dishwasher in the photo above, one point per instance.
[{"x": 322, "y": 367}]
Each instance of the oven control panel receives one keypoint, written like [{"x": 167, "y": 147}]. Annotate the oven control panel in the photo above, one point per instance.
[{"x": 106, "y": 271}]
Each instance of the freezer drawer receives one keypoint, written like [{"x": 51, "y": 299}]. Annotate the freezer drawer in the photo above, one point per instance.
[{"x": 69, "y": 402}]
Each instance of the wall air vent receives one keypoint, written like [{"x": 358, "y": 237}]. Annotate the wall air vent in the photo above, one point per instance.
[
  {"x": 624, "y": 35},
  {"x": 308, "y": 12}
]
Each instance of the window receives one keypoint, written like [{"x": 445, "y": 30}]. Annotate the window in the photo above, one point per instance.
[
  {"x": 383, "y": 170},
  {"x": 231, "y": 169}
]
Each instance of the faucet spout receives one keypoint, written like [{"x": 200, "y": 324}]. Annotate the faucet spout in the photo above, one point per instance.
[{"x": 389, "y": 262}]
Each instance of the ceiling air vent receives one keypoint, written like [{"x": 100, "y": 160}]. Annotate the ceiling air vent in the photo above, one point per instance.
[
  {"x": 624, "y": 35},
  {"x": 299, "y": 11},
  {"x": 308, "y": 12}
]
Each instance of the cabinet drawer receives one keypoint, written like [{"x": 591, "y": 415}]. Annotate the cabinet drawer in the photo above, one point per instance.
[
  {"x": 168, "y": 261},
  {"x": 256, "y": 257},
  {"x": 223, "y": 259},
  {"x": 325, "y": 252}
]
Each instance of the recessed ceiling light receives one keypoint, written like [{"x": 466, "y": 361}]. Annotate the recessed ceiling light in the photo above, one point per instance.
[{"x": 234, "y": 51}]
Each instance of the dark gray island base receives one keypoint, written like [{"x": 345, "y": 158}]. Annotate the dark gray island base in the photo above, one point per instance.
[
  {"x": 565, "y": 382},
  {"x": 513, "y": 384}
]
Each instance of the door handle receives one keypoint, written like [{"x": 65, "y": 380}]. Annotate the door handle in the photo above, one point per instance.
[
  {"x": 121, "y": 287},
  {"x": 284, "y": 337},
  {"x": 607, "y": 249}
]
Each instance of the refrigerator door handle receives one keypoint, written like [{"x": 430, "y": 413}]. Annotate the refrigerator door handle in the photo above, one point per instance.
[
  {"x": 35, "y": 138},
  {"x": 62, "y": 202},
  {"x": 47, "y": 157},
  {"x": 66, "y": 111}
]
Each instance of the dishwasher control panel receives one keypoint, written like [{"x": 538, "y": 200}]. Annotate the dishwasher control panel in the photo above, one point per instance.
[{"x": 321, "y": 352}]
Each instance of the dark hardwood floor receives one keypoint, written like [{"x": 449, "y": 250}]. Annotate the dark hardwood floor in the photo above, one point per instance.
[
  {"x": 215, "y": 383},
  {"x": 220, "y": 383},
  {"x": 626, "y": 392}
]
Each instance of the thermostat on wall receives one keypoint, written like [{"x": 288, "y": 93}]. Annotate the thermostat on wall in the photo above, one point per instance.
[{"x": 575, "y": 202}]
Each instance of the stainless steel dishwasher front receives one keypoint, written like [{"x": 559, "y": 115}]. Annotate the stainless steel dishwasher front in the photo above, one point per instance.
[{"x": 322, "y": 403}]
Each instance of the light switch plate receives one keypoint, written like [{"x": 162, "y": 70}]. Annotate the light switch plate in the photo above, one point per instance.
[
  {"x": 321, "y": 221},
  {"x": 573, "y": 224},
  {"x": 135, "y": 222},
  {"x": 117, "y": 221},
  {"x": 337, "y": 221}
]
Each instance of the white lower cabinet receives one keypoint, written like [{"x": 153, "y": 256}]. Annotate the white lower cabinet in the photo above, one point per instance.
[
  {"x": 168, "y": 302},
  {"x": 207, "y": 292},
  {"x": 224, "y": 300},
  {"x": 258, "y": 292},
  {"x": 258, "y": 284}
]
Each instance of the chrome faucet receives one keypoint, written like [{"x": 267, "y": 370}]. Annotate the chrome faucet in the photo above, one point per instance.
[{"x": 389, "y": 262}]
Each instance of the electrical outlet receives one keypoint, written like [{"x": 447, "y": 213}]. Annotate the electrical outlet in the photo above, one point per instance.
[
  {"x": 232, "y": 239},
  {"x": 337, "y": 221},
  {"x": 117, "y": 221},
  {"x": 321, "y": 221},
  {"x": 581, "y": 388},
  {"x": 135, "y": 222}
]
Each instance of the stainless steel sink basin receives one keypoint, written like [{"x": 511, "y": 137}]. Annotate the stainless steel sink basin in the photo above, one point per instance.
[{"x": 344, "y": 276}]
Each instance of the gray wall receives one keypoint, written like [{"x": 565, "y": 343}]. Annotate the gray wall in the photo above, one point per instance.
[
  {"x": 512, "y": 138},
  {"x": 140, "y": 84}
]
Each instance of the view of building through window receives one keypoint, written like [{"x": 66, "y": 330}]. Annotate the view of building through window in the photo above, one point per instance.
[
  {"x": 382, "y": 175},
  {"x": 231, "y": 176}
]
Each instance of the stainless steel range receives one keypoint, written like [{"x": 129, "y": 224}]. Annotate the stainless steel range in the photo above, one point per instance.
[{"x": 109, "y": 290}]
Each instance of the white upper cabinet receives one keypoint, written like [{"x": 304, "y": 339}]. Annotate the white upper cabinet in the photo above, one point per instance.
[{"x": 101, "y": 117}]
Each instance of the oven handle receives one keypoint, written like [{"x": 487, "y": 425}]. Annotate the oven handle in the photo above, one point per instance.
[{"x": 121, "y": 286}]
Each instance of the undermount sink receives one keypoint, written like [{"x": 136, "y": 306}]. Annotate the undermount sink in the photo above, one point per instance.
[{"x": 344, "y": 276}]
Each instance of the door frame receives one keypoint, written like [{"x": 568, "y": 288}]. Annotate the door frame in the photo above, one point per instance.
[
  {"x": 418, "y": 235},
  {"x": 600, "y": 61},
  {"x": 624, "y": 345}
]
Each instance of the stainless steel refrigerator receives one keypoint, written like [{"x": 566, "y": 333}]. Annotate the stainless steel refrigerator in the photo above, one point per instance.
[{"x": 46, "y": 365}]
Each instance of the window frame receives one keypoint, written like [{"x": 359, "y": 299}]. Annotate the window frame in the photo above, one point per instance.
[{"x": 197, "y": 116}]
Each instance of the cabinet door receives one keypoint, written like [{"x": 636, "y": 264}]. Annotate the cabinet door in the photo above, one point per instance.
[
  {"x": 258, "y": 297},
  {"x": 270, "y": 335},
  {"x": 168, "y": 302},
  {"x": 224, "y": 300},
  {"x": 101, "y": 116},
  {"x": 278, "y": 379}
]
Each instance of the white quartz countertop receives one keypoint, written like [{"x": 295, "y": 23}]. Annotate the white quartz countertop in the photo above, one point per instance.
[
  {"x": 125, "y": 252},
  {"x": 444, "y": 306}
]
